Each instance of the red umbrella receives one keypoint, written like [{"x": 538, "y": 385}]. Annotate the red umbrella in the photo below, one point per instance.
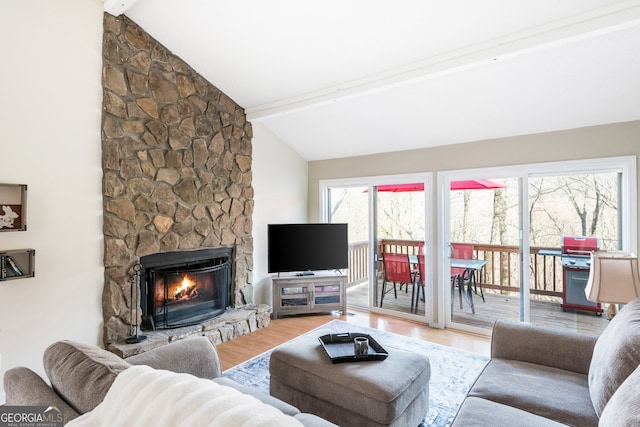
[
  {"x": 401, "y": 188},
  {"x": 476, "y": 184},
  {"x": 471, "y": 184}
]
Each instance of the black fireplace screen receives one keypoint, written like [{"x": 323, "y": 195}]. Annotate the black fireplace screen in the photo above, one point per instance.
[{"x": 183, "y": 288}]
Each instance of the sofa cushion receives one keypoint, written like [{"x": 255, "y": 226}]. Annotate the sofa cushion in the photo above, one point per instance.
[
  {"x": 24, "y": 387},
  {"x": 542, "y": 345},
  {"x": 616, "y": 355},
  {"x": 623, "y": 409},
  {"x": 556, "y": 394},
  {"x": 477, "y": 412},
  {"x": 195, "y": 355},
  {"x": 81, "y": 374}
]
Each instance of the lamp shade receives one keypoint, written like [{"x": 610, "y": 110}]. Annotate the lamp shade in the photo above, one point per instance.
[{"x": 613, "y": 277}]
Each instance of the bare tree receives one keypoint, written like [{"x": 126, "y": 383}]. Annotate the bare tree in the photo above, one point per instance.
[
  {"x": 465, "y": 216},
  {"x": 499, "y": 221},
  {"x": 552, "y": 227},
  {"x": 587, "y": 198},
  {"x": 401, "y": 215},
  {"x": 337, "y": 198},
  {"x": 557, "y": 202}
]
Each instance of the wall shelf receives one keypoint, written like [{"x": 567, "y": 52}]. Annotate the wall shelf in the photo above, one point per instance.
[
  {"x": 17, "y": 264},
  {"x": 13, "y": 207}
]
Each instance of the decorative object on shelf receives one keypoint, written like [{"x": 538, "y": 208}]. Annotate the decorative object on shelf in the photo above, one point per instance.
[
  {"x": 613, "y": 279},
  {"x": 11, "y": 216},
  {"x": 134, "y": 281},
  {"x": 13, "y": 202},
  {"x": 17, "y": 264},
  {"x": 13, "y": 267}
]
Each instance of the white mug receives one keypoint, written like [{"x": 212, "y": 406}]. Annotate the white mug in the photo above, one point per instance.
[{"x": 361, "y": 346}]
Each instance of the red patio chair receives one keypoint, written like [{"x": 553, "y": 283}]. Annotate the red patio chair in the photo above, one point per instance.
[
  {"x": 396, "y": 270},
  {"x": 415, "y": 271},
  {"x": 460, "y": 276}
]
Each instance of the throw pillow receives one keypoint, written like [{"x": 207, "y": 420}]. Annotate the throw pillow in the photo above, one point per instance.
[
  {"x": 615, "y": 356},
  {"x": 81, "y": 374},
  {"x": 623, "y": 408}
]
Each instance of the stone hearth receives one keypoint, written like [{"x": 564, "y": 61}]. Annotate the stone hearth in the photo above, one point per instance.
[
  {"x": 233, "y": 323},
  {"x": 176, "y": 172}
]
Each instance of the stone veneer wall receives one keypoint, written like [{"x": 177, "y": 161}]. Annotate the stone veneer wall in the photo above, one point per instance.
[{"x": 177, "y": 166}]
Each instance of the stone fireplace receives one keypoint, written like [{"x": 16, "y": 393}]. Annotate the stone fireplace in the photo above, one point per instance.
[{"x": 176, "y": 157}]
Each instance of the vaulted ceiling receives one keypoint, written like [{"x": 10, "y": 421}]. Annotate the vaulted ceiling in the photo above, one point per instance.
[{"x": 336, "y": 78}]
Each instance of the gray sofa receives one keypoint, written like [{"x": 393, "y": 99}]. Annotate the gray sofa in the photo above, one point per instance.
[
  {"x": 81, "y": 375},
  {"x": 541, "y": 376}
]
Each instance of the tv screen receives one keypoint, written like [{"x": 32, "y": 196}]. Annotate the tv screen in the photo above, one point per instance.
[{"x": 307, "y": 247}]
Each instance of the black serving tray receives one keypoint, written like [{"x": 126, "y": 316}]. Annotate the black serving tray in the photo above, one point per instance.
[{"x": 340, "y": 349}]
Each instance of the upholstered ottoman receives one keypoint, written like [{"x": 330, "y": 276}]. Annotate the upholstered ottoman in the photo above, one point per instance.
[{"x": 391, "y": 392}]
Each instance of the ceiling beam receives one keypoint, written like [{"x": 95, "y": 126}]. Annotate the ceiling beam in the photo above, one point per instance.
[
  {"x": 614, "y": 17},
  {"x": 118, "y": 7}
]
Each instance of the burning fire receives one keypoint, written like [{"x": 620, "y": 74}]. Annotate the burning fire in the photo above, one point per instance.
[{"x": 186, "y": 291}]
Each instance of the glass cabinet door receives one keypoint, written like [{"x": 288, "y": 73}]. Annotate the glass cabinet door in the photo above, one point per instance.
[
  {"x": 326, "y": 294},
  {"x": 294, "y": 296}
]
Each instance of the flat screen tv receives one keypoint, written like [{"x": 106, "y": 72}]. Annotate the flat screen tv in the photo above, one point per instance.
[{"x": 306, "y": 248}]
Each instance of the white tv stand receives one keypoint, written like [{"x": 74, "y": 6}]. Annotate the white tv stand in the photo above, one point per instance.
[{"x": 319, "y": 293}]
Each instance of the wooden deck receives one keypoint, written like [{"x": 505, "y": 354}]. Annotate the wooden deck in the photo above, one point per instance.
[{"x": 496, "y": 306}]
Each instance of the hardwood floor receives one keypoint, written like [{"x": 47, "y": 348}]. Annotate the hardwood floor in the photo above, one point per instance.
[{"x": 279, "y": 331}]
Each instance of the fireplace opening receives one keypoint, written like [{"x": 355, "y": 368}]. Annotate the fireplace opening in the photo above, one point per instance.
[{"x": 184, "y": 287}]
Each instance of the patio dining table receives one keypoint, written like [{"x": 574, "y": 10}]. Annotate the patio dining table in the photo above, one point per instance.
[{"x": 471, "y": 266}]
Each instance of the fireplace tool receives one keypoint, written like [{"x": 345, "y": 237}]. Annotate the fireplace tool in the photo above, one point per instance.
[{"x": 134, "y": 280}]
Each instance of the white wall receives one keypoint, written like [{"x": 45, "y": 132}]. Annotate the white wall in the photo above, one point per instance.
[
  {"x": 280, "y": 187},
  {"x": 51, "y": 110}
]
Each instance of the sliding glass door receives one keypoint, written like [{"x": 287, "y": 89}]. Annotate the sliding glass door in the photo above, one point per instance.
[
  {"x": 399, "y": 236},
  {"x": 573, "y": 213},
  {"x": 386, "y": 215},
  {"x": 350, "y": 205},
  {"x": 484, "y": 249},
  {"x": 524, "y": 230},
  {"x": 514, "y": 218}
]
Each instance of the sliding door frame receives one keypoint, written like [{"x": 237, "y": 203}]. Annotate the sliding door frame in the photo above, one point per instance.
[
  {"x": 628, "y": 217},
  {"x": 371, "y": 182}
]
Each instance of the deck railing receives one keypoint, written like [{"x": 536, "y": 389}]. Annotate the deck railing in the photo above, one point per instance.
[
  {"x": 358, "y": 270},
  {"x": 502, "y": 271}
]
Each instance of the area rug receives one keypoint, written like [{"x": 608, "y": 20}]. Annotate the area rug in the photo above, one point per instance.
[{"x": 452, "y": 371}]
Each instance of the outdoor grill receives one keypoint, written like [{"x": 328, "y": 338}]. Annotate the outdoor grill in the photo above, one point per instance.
[{"x": 576, "y": 262}]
